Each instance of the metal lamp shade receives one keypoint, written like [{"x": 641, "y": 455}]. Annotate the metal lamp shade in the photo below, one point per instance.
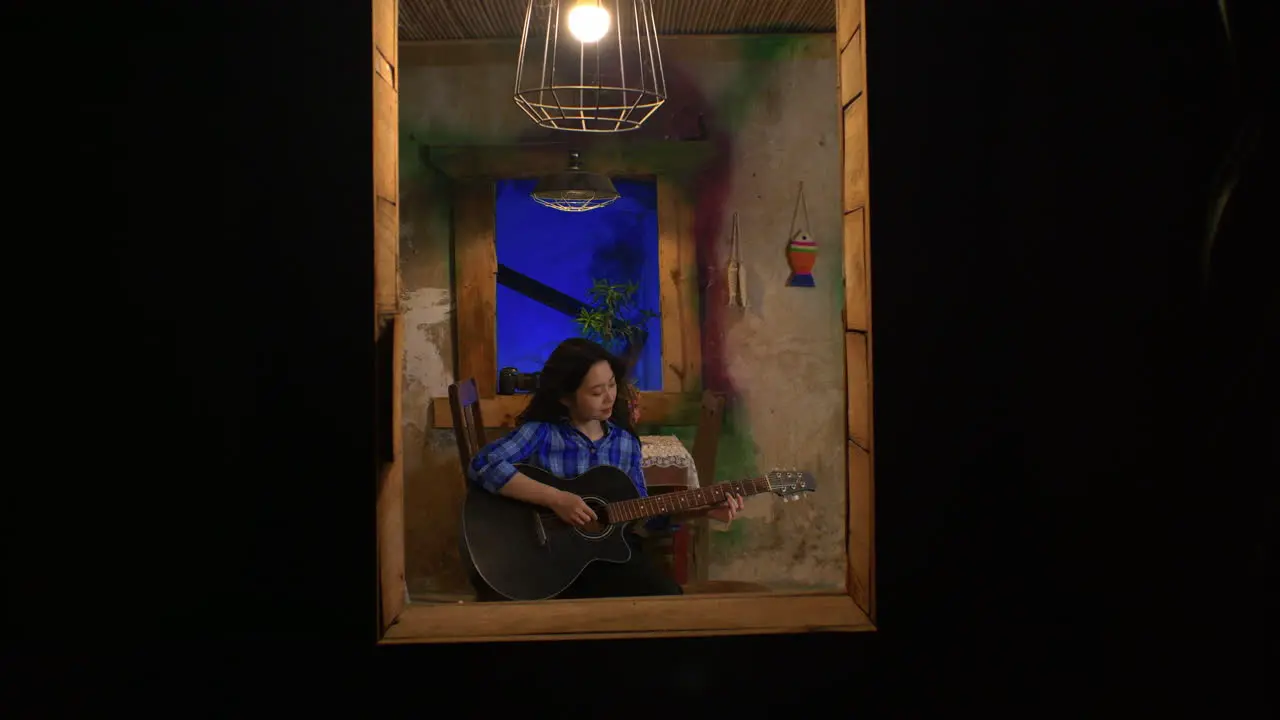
[
  {"x": 609, "y": 85},
  {"x": 575, "y": 191}
]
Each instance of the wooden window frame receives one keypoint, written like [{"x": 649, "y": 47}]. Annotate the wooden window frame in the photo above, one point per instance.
[
  {"x": 475, "y": 170},
  {"x": 853, "y": 610}
]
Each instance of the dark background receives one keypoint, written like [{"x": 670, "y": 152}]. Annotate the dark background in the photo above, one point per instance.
[{"x": 1074, "y": 452}]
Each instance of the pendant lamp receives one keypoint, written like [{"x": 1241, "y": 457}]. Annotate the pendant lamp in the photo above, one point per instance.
[
  {"x": 574, "y": 190},
  {"x": 589, "y": 65}
]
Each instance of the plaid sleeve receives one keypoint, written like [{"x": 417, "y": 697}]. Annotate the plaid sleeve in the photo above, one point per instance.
[{"x": 493, "y": 466}]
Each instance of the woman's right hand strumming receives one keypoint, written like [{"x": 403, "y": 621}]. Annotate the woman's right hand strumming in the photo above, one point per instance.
[{"x": 572, "y": 509}]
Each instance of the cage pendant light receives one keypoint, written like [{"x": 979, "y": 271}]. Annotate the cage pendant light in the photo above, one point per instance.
[
  {"x": 589, "y": 65},
  {"x": 575, "y": 190}
]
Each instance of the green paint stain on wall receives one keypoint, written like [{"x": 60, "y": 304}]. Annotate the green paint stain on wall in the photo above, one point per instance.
[
  {"x": 760, "y": 61},
  {"x": 414, "y": 140},
  {"x": 736, "y": 456},
  {"x": 735, "y": 460},
  {"x": 686, "y": 433},
  {"x": 411, "y": 166},
  {"x": 733, "y": 541}
]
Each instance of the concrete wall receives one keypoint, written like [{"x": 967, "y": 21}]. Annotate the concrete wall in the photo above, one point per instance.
[{"x": 769, "y": 105}]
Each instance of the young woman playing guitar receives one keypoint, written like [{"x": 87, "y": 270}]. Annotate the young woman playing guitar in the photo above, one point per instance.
[{"x": 577, "y": 419}]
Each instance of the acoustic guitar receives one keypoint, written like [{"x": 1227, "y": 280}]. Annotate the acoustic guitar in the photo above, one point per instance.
[{"x": 525, "y": 552}]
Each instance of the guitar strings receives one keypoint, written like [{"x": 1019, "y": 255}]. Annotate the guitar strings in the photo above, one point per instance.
[{"x": 740, "y": 485}]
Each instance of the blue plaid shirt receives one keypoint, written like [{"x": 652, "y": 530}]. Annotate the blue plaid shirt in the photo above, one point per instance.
[{"x": 562, "y": 450}]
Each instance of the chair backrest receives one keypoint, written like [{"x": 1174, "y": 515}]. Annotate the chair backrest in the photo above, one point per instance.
[
  {"x": 468, "y": 423},
  {"x": 706, "y": 443}
]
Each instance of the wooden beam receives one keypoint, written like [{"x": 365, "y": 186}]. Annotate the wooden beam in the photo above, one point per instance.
[
  {"x": 656, "y": 408},
  {"x": 667, "y": 616},
  {"x": 386, "y": 158},
  {"x": 386, "y": 30},
  {"x": 848, "y": 19},
  {"x": 859, "y": 339},
  {"x": 861, "y": 530},
  {"x": 855, "y": 154},
  {"x": 539, "y": 292},
  {"x": 611, "y": 156},
  {"x": 857, "y": 380},
  {"x": 851, "y": 75},
  {"x": 388, "y": 323},
  {"x": 475, "y": 272},
  {"x": 678, "y": 283},
  {"x": 856, "y": 295},
  {"x": 389, "y": 502},
  {"x": 386, "y": 256}
]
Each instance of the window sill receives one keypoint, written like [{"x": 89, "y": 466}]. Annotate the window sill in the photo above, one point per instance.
[{"x": 688, "y": 615}]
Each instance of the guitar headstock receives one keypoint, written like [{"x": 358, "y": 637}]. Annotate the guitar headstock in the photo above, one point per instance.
[{"x": 789, "y": 484}]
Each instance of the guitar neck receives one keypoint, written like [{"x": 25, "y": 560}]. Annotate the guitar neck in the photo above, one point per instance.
[{"x": 678, "y": 502}]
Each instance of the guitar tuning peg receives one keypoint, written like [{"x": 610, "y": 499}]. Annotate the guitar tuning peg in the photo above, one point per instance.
[
  {"x": 786, "y": 498},
  {"x": 796, "y": 496}
]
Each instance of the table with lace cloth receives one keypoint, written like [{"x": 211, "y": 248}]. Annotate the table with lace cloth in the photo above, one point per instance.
[
  {"x": 669, "y": 467},
  {"x": 667, "y": 462}
]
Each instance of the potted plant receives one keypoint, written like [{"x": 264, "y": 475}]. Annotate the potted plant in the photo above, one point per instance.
[{"x": 614, "y": 319}]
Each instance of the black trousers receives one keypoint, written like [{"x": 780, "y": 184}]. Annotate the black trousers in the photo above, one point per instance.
[{"x": 639, "y": 576}]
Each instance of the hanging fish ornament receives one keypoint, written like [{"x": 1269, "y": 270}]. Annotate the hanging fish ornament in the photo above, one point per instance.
[
  {"x": 737, "y": 283},
  {"x": 802, "y": 251}
]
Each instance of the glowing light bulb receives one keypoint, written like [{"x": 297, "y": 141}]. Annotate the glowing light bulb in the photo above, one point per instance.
[{"x": 588, "y": 21}]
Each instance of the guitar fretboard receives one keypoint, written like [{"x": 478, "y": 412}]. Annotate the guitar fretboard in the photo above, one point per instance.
[{"x": 677, "y": 502}]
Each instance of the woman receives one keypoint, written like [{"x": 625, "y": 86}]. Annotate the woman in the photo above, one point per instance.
[{"x": 578, "y": 418}]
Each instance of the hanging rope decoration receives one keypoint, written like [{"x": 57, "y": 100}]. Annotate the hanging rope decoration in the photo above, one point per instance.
[
  {"x": 802, "y": 251},
  {"x": 737, "y": 284}
]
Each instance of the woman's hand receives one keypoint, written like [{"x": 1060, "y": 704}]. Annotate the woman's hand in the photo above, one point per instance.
[
  {"x": 572, "y": 509},
  {"x": 726, "y": 511}
]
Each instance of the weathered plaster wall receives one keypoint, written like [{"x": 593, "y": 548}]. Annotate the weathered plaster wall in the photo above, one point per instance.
[{"x": 769, "y": 105}]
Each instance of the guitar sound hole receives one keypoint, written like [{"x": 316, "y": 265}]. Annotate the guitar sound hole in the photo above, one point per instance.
[{"x": 596, "y": 529}]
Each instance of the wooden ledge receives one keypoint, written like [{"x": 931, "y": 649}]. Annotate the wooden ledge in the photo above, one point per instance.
[
  {"x": 721, "y": 587},
  {"x": 699, "y": 615},
  {"x": 656, "y": 408}
]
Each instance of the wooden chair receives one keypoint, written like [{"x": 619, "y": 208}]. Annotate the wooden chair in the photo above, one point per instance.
[
  {"x": 468, "y": 428},
  {"x": 468, "y": 423},
  {"x": 688, "y": 548},
  {"x": 706, "y": 443},
  {"x": 705, "y": 446}
]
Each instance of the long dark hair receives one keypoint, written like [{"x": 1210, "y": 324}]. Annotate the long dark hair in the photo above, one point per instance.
[{"x": 563, "y": 374}]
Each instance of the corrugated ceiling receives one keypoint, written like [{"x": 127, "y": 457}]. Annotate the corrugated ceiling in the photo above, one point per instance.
[{"x": 487, "y": 19}]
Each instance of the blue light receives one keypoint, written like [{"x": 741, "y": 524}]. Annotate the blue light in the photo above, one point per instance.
[{"x": 568, "y": 252}]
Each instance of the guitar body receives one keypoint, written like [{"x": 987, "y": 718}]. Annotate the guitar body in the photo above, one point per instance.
[{"x": 524, "y": 552}]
